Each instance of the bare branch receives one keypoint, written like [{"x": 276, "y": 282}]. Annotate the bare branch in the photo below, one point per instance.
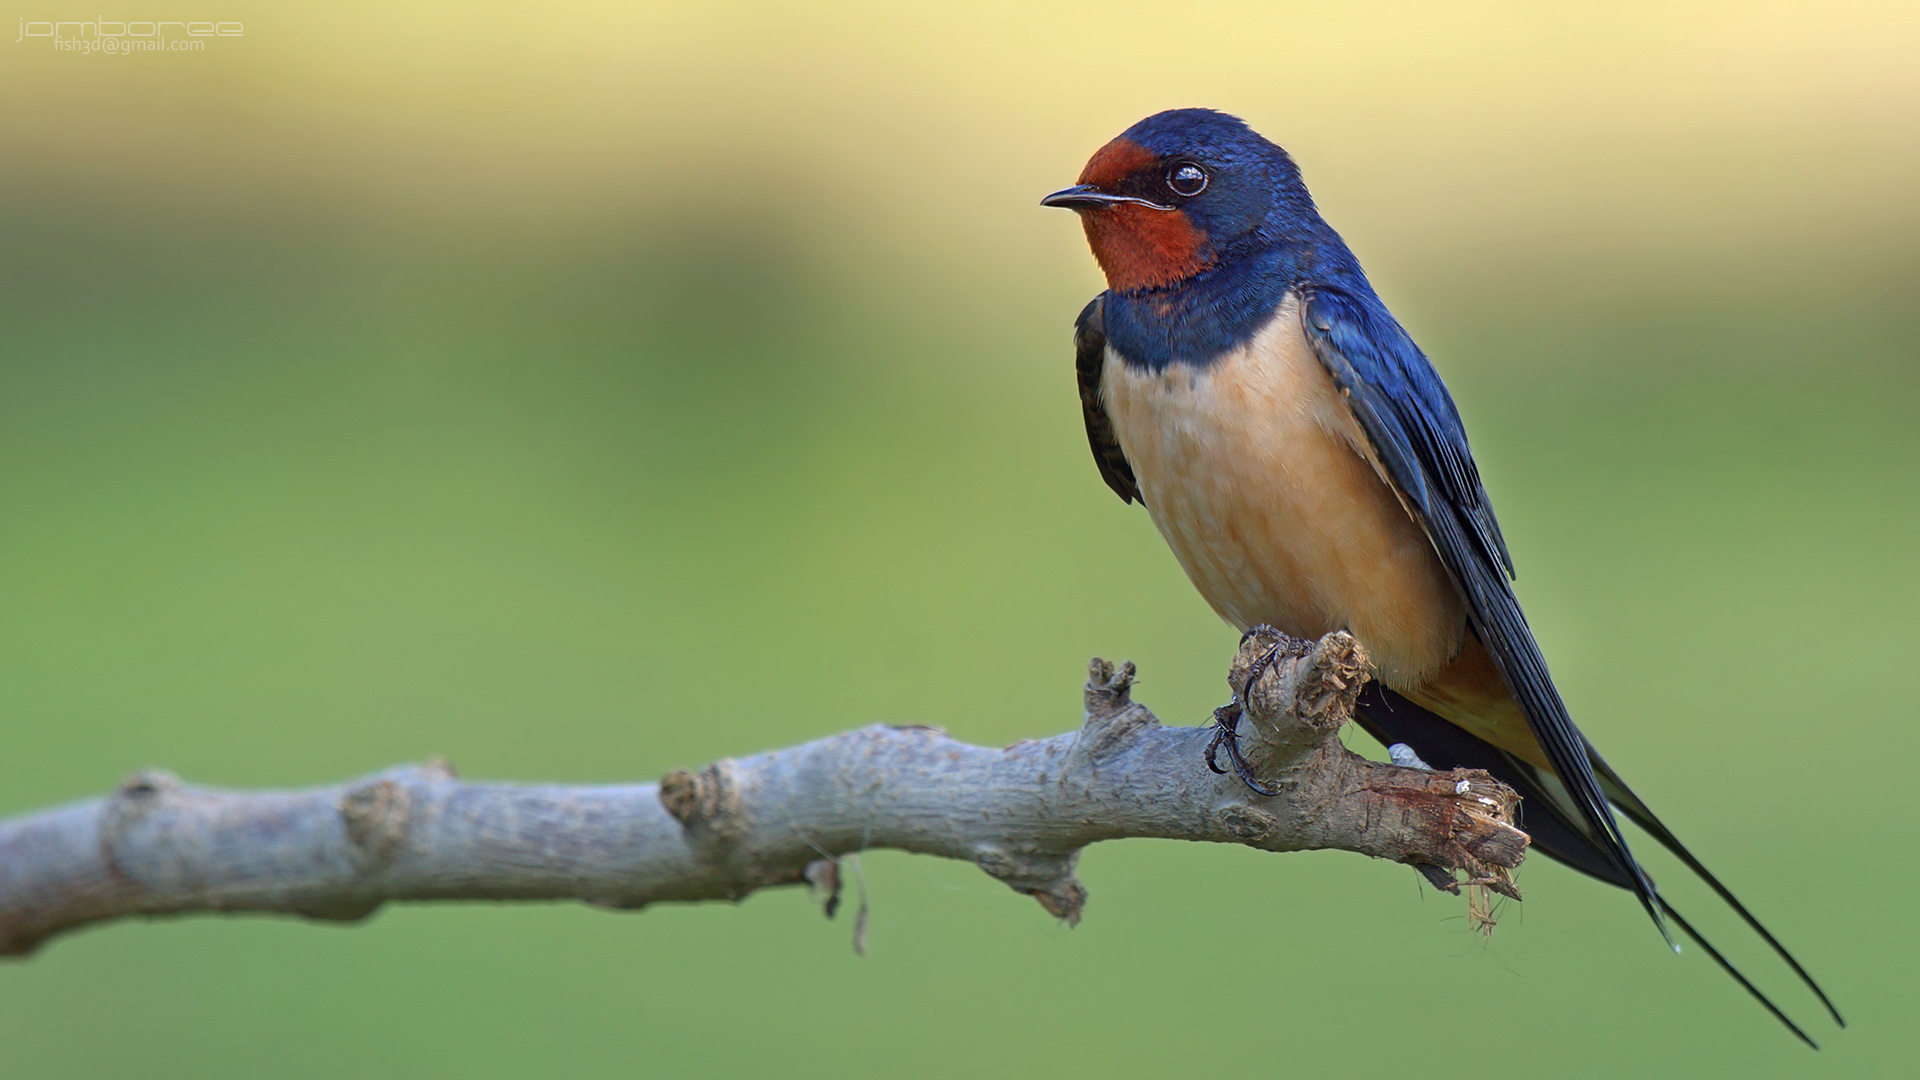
[{"x": 1022, "y": 814}]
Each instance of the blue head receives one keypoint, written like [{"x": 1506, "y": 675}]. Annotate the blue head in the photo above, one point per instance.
[{"x": 1184, "y": 191}]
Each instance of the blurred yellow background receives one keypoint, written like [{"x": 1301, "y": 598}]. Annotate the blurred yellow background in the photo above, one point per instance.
[{"x": 583, "y": 391}]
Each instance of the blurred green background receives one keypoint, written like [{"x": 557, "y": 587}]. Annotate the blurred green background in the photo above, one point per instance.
[{"x": 487, "y": 380}]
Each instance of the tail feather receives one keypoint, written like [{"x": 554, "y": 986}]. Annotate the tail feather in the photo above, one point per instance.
[
  {"x": 1559, "y": 830},
  {"x": 1727, "y": 966},
  {"x": 1623, "y": 797}
]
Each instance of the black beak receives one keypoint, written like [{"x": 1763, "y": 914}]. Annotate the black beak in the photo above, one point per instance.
[{"x": 1088, "y": 197}]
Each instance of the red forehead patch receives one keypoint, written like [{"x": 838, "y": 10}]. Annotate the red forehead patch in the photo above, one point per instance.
[{"x": 1115, "y": 162}]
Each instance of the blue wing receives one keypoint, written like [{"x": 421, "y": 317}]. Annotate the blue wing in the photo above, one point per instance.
[
  {"x": 1416, "y": 432},
  {"x": 1406, "y": 412}
]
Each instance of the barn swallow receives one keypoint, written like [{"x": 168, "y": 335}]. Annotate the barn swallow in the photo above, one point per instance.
[{"x": 1241, "y": 380}]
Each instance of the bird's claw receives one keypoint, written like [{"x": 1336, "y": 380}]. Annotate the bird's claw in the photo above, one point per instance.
[
  {"x": 1226, "y": 732},
  {"x": 1226, "y": 719},
  {"x": 1262, "y": 630},
  {"x": 1262, "y": 663}
]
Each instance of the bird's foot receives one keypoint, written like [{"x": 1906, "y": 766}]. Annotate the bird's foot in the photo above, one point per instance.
[
  {"x": 1226, "y": 718},
  {"x": 1261, "y": 630},
  {"x": 1226, "y": 732},
  {"x": 1262, "y": 663},
  {"x": 1404, "y": 756}
]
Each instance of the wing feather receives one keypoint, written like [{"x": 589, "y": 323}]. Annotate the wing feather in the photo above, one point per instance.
[
  {"x": 1407, "y": 414},
  {"x": 1090, "y": 359}
]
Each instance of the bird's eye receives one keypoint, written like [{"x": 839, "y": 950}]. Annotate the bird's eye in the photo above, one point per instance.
[{"x": 1187, "y": 179}]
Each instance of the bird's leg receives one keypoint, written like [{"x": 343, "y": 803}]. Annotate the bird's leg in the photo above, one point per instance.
[
  {"x": 1226, "y": 719},
  {"x": 1226, "y": 725}
]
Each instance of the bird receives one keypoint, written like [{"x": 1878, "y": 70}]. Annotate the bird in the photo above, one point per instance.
[{"x": 1242, "y": 380}]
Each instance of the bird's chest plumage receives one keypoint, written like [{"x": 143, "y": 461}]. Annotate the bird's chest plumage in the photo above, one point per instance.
[{"x": 1255, "y": 471}]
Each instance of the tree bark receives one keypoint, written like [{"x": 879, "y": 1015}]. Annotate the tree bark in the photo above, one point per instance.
[{"x": 1022, "y": 814}]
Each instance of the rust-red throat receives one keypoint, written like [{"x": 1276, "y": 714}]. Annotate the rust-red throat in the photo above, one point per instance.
[{"x": 1138, "y": 247}]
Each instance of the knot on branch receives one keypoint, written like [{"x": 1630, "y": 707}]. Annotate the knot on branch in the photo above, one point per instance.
[
  {"x": 1249, "y": 824},
  {"x": 376, "y": 817},
  {"x": 704, "y": 803},
  {"x": 379, "y": 814},
  {"x": 1109, "y": 686},
  {"x": 1330, "y": 681},
  {"x": 1049, "y": 879},
  {"x": 143, "y": 787},
  {"x": 137, "y": 797},
  {"x": 1114, "y": 719}
]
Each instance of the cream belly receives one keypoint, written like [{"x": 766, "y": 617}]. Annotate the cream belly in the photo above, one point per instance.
[{"x": 1259, "y": 477}]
